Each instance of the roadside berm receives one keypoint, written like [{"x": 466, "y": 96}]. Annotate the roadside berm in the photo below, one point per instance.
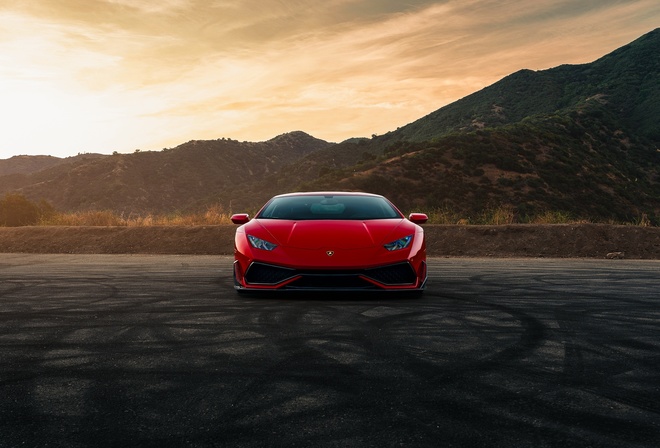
[{"x": 515, "y": 240}]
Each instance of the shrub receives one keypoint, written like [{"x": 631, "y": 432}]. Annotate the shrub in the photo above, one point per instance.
[{"x": 16, "y": 210}]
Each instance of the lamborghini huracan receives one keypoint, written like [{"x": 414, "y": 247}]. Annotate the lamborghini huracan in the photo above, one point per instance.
[{"x": 337, "y": 241}]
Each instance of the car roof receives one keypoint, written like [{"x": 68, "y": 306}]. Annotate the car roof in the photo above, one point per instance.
[{"x": 328, "y": 193}]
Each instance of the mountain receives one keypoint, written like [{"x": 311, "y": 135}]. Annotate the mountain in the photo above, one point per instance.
[
  {"x": 577, "y": 139},
  {"x": 26, "y": 164},
  {"x": 184, "y": 178},
  {"x": 581, "y": 139},
  {"x": 575, "y": 163},
  {"x": 626, "y": 79}
]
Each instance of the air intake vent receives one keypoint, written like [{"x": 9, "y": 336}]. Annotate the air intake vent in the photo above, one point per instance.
[
  {"x": 264, "y": 274},
  {"x": 396, "y": 274}
]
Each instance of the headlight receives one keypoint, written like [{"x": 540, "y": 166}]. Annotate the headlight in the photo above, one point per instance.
[
  {"x": 258, "y": 243},
  {"x": 399, "y": 244}
]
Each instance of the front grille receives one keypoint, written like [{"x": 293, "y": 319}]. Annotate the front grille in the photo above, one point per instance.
[
  {"x": 265, "y": 274},
  {"x": 393, "y": 275},
  {"x": 396, "y": 274},
  {"x": 331, "y": 281}
]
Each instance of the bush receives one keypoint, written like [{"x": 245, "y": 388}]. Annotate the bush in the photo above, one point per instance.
[{"x": 16, "y": 210}]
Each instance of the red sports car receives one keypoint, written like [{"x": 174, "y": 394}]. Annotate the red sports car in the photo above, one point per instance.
[{"x": 329, "y": 241}]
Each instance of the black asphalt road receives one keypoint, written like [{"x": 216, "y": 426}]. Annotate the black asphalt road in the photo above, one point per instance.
[{"x": 159, "y": 351}]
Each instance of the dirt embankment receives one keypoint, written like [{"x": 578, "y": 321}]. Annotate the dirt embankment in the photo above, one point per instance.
[{"x": 518, "y": 240}]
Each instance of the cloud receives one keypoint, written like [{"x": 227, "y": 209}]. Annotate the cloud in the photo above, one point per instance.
[{"x": 157, "y": 73}]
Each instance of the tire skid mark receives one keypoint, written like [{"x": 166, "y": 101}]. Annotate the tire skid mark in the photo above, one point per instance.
[
  {"x": 371, "y": 341},
  {"x": 599, "y": 382},
  {"x": 576, "y": 373},
  {"x": 298, "y": 371}
]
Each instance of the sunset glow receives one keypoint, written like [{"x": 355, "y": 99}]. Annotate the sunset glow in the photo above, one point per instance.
[{"x": 119, "y": 75}]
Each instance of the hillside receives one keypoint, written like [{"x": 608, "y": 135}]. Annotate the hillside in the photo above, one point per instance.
[
  {"x": 184, "y": 178},
  {"x": 577, "y": 162},
  {"x": 576, "y": 139},
  {"x": 27, "y": 164}
]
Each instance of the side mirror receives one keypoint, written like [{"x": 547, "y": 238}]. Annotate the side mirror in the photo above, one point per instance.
[
  {"x": 418, "y": 218},
  {"x": 240, "y": 218}
]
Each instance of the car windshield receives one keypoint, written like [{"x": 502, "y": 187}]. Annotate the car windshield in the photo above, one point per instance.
[{"x": 339, "y": 207}]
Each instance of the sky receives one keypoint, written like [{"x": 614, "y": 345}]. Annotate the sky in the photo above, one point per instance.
[{"x": 98, "y": 76}]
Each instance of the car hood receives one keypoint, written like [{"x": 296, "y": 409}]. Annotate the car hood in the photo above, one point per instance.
[{"x": 330, "y": 233}]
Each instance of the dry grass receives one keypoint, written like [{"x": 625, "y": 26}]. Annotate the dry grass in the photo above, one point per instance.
[
  {"x": 215, "y": 215},
  {"x": 498, "y": 216},
  {"x": 550, "y": 217},
  {"x": 212, "y": 216},
  {"x": 445, "y": 216},
  {"x": 88, "y": 218}
]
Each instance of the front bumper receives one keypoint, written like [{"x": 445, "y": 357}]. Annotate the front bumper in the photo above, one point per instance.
[{"x": 397, "y": 276}]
